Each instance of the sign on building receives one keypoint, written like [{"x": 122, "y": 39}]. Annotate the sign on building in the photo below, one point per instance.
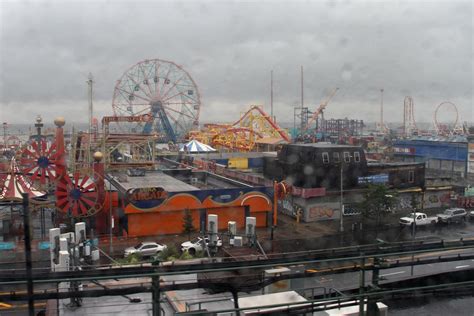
[
  {"x": 374, "y": 179},
  {"x": 404, "y": 150},
  {"x": 470, "y": 158}
]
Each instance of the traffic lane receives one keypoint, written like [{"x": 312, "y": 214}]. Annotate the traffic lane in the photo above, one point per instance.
[
  {"x": 351, "y": 280},
  {"x": 440, "y": 231}
]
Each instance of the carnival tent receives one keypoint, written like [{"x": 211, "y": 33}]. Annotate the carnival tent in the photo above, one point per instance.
[
  {"x": 194, "y": 146},
  {"x": 13, "y": 183}
]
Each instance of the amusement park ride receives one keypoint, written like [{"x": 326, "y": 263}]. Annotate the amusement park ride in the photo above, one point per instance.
[
  {"x": 311, "y": 123},
  {"x": 446, "y": 111},
  {"x": 449, "y": 128},
  {"x": 153, "y": 101},
  {"x": 253, "y": 125},
  {"x": 409, "y": 124},
  {"x": 162, "y": 90}
]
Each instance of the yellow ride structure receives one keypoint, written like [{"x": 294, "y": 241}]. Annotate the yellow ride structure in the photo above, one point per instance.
[{"x": 243, "y": 135}]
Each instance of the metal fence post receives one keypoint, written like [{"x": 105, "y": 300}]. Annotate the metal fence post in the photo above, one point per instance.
[
  {"x": 156, "y": 293},
  {"x": 29, "y": 270},
  {"x": 361, "y": 285}
]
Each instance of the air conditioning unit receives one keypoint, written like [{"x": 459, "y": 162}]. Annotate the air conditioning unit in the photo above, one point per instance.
[
  {"x": 238, "y": 242},
  {"x": 250, "y": 223},
  {"x": 63, "y": 264},
  {"x": 70, "y": 237},
  {"x": 80, "y": 229},
  {"x": 87, "y": 250},
  {"x": 212, "y": 223},
  {"x": 54, "y": 246},
  {"x": 232, "y": 228},
  {"x": 194, "y": 180},
  {"x": 95, "y": 255},
  {"x": 63, "y": 244}
]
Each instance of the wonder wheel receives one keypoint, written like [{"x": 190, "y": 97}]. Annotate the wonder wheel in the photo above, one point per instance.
[{"x": 162, "y": 90}]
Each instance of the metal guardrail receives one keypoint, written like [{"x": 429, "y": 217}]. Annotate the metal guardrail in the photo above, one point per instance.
[{"x": 199, "y": 304}]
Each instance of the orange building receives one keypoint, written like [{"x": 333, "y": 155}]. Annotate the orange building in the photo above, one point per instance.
[{"x": 154, "y": 203}]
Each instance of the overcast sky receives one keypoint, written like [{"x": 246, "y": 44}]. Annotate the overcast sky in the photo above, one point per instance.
[{"x": 419, "y": 48}]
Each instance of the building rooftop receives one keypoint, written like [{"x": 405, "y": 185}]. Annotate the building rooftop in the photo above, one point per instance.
[
  {"x": 153, "y": 179},
  {"x": 322, "y": 145},
  {"x": 393, "y": 164}
]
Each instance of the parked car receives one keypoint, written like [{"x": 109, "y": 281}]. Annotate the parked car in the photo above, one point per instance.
[
  {"x": 471, "y": 215},
  {"x": 452, "y": 215},
  {"x": 145, "y": 249},
  {"x": 197, "y": 244},
  {"x": 418, "y": 219}
]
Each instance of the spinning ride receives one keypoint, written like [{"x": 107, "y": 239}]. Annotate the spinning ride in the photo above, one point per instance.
[{"x": 39, "y": 160}]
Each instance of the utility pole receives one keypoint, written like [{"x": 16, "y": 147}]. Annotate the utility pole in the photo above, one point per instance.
[
  {"x": 90, "y": 83},
  {"x": 271, "y": 95},
  {"x": 341, "y": 221},
  {"x": 381, "y": 111},
  {"x": 111, "y": 219},
  {"x": 5, "y": 128},
  {"x": 302, "y": 88}
]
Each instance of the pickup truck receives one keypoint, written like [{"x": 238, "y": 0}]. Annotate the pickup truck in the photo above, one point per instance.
[{"x": 420, "y": 219}]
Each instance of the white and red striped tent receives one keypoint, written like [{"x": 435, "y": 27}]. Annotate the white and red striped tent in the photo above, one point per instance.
[{"x": 13, "y": 183}]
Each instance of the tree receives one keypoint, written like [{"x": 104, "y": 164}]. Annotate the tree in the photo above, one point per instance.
[
  {"x": 414, "y": 202},
  {"x": 188, "y": 225},
  {"x": 377, "y": 201}
]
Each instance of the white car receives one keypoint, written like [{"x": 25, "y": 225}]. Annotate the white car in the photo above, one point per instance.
[
  {"x": 197, "y": 244},
  {"x": 471, "y": 215},
  {"x": 145, "y": 249},
  {"x": 452, "y": 215}
]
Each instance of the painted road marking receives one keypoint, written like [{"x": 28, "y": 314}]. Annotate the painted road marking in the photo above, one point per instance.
[
  {"x": 393, "y": 273},
  {"x": 460, "y": 267}
]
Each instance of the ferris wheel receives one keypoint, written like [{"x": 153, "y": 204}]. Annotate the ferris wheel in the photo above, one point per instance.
[{"x": 163, "y": 92}]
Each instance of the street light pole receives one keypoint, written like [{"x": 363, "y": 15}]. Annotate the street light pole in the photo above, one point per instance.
[
  {"x": 413, "y": 232},
  {"x": 110, "y": 219},
  {"x": 341, "y": 220}
]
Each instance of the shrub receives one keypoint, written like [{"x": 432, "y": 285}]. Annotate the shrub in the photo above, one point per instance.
[
  {"x": 168, "y": 254},
  {"x": 186, "y": 256},
  {"x": 131, "y": 259},
  {"x": 199, "y": 254}
]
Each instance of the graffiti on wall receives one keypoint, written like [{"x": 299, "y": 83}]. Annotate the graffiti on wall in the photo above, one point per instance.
[
  {"x": 321, "y": 212},
  {"x": 437, "y": 199},
  {"x": 286, "y": 206},
  {"x": 432, "y": 199},
  {"x": 405, "y": 202},
  {"x": 465, "y": 201}
]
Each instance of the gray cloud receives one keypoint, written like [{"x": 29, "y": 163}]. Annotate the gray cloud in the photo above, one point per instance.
[{"x": 418, "y": 48}]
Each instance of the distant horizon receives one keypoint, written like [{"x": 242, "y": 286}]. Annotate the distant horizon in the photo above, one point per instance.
[{"x": 25, "y": 127}]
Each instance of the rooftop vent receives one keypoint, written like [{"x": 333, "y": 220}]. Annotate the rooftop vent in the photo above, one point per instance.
[
  {"x": 136, "y": 172},
  {"x": 122, "y": 178}
]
